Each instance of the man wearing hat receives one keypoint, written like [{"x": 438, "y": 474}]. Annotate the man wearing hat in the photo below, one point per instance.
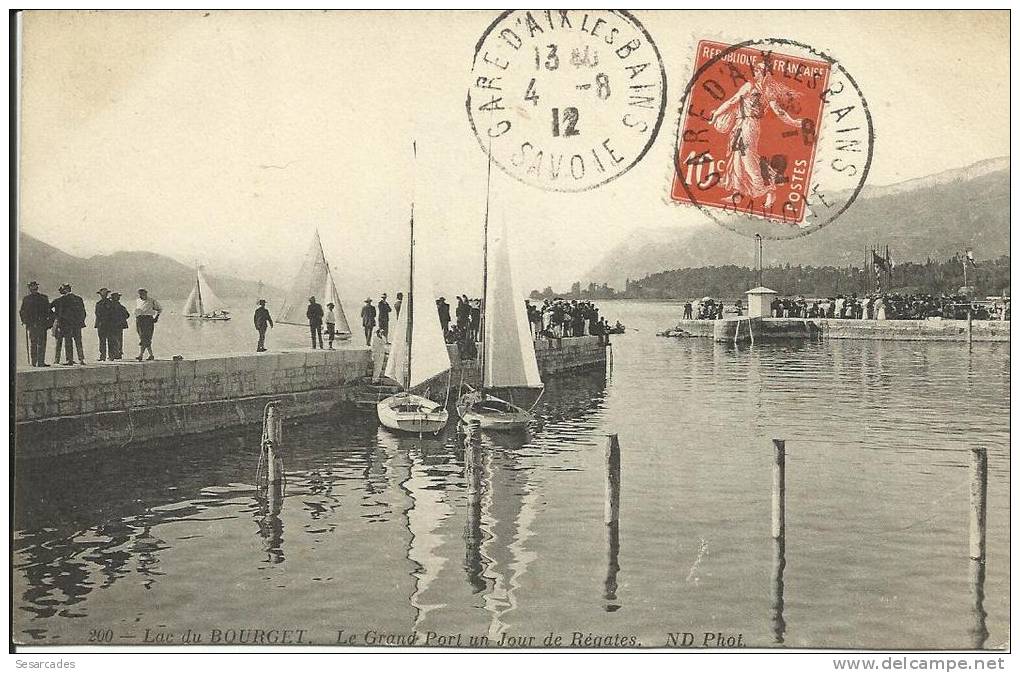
[
  {"x": 330, "y": 323},
  {"x": 118, "y": 323},
  {"x": 69, "y": 309},
  {"x": 314, "y": 315},
  {"x": 263, "y": 321},
  {"x": 368, "y": 320},
  {"x": 384, "y": 315},
  {"x": 103, "y": 322},
  {"x": 37, "y": 317}
]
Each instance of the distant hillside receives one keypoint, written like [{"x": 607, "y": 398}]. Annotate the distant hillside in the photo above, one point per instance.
[
  {"x": 935, "y": 216},
  {"x": 122, "y": 271}
]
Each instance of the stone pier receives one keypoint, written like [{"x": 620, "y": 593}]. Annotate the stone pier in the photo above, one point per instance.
[{"x": 61, "y": 410}]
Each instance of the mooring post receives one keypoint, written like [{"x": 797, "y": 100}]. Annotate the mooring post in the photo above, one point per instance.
[
  {"x": 979, "y": 629},
  {"x": 779, "y": 488},
  {"x": 776, "y": 618},
  {"x": 272, "y": 433},
  {"x": 612, "y": 514},
  {"x": 978, "y": 502}
]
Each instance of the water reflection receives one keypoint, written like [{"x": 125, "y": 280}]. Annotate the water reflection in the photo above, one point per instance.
[
  {"x": 979, "y": 630},
  {"x": 269, "y": 504},
  {"x": 612, "y": 566}
]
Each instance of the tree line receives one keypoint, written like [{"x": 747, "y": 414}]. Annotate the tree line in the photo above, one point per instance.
[{"x": 935, "y": 277}]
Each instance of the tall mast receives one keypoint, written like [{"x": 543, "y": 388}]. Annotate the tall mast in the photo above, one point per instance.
[
  {"x": 410, "y": 282},
  {"x": 485, "y": 271}
]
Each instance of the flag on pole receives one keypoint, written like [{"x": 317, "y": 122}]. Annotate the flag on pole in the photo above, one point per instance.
[
  {"x": 970, "y": 258},
  {"x": 881, "y": 263}
]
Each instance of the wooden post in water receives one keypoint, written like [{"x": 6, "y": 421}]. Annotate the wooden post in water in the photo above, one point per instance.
[
  {"x": 979, "y": 629},
  {"x": 272, "y": 433},
  {"x": 612, "y": 514},
  {"x": 970, "y": 327},
  {"x": 779, "y": 489},
  {"x": 978, "y": 502}
]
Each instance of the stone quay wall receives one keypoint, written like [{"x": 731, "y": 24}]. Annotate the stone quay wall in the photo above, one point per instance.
[
  {"x": 60, "y": 410},
  {"x": 830, "y": 328},
  {"x": 554, "y": 356}
]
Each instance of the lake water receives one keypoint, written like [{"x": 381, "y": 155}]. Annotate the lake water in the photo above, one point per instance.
[{"x": 378, "y": 534}]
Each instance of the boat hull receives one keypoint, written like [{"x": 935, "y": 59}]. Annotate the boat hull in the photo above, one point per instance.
[
  {"x": 405, "y": 412},
  {"x": 491, "y": 413}
]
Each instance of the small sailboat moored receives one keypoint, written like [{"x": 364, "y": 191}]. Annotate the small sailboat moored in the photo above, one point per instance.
[
  {"x": 510, "y": 377},
  {"x": 417, "y": 355},
  {"x": 202, "y": 303}
]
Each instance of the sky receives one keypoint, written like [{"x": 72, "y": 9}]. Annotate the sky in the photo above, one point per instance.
[{"x": 226, "y": 138}]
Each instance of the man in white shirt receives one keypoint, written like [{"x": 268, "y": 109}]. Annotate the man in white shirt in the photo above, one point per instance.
[
  {"x": 147, "y": 312},
  {"x": 330, "y": 319}
]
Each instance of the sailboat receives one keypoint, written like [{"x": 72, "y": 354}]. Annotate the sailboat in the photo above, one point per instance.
[
  {"x": 507, "y": 356},
  {"x": 418, "y": 353},
  {"x": 314, "y": 279},
  {"x": 202, "y": 303}
]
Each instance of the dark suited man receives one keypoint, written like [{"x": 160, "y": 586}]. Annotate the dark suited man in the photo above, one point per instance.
[
  {"x": 70, "y": 311},
  {"x": 384, "y": 316},
  {"x": 444, "y": 313},
  {"x": 37, "y": 317},
  {"x": 368, "y": 320},
  {"x": 314, "y": 315},
  {"x": 118, "y": 323},
  {"x": 264, "y": 321},
  {"x": 104, "y": 323}
]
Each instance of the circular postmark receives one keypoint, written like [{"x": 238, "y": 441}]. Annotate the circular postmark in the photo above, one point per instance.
[
  {"x": 774, "y": 138},
  {"x": 566, "y": 100}
]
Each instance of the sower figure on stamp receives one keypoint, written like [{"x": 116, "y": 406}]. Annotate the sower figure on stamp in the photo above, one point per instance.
[
  {"x": 368, "y": 320},
  {"x": 37, "y": 317},
  {"x": 314, "y": 315},
  {"x": 748, "y": 175},
  {"x": 330, "y": 323},
  {"x": 118, "y": 323},
  {"x": 263, "y": 321},
  {"x": 103, "y": 322},
  {"x": 147, "y": 312},
  {"x": 70, "y": 311}
]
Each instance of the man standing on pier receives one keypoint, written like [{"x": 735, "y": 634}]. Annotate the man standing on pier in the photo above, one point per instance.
[
  {"x": 70, "y": 311},
  {"x": 330, "y": 323},
  {"x": 384, "y": 316},
  {"x": 263, "y": 321},
  {"x": 147, "y": 312},
  {"x": 368, "y": 320},
  {"x": 397, "y": 304},
  {"x": 314, "y": 315},
  {"x": 37, "y": 317},
  {"x": 118, "y": 323},
  {"x": 444, "y": 314},
  {"x": 103, "y": 322}
]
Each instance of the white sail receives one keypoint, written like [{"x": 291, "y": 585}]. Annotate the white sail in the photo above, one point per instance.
[
  {"x": 209, "y": 302},
  {"x": 312, "y": 280},
  {"x": 329, "y": 294},
  {"x": 193, "y": 304},
  {"x": 429, "y": 357},
  {"x": 509, "y": 351}
]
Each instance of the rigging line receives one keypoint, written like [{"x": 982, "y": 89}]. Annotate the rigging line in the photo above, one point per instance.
[{"x": 485, "y": 272}]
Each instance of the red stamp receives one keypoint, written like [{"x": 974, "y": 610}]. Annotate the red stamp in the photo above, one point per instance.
[{"x": 749, "y": 132}]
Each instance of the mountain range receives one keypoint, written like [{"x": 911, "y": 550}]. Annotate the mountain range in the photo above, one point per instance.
[
  {"x": 936, "y": 215},
  {"x": 122, "y": 272}
]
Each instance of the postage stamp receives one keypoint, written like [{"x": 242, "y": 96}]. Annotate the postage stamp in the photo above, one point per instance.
[
  {"x": 566, "y": 100},
  {"x": 772, "y": 135}
]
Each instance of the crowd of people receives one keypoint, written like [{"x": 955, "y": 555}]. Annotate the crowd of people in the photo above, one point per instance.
[
  {"x": 709, "y": 309},
  {"x": 889, "y": 307},
  {"x": 65, "y": 317}
]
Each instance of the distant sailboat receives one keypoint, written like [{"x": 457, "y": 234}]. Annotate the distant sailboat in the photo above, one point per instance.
[
  {"x": 314, "y": 279},
  {"x": 202, "y": 303},
  {"x": 418, "y": 354},
  {"x": 507, "y": 357}
]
